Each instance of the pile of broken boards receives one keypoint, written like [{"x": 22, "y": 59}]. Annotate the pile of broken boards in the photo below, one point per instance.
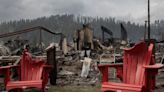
[{"x": 76, "y": 70}]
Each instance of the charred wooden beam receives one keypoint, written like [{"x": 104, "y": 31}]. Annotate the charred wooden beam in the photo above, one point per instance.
[
  {"x": 28, "y": 30},
  {"x": 106, "y": 30}
]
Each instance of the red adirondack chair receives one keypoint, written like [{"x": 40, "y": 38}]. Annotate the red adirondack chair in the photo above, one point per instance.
[
  {"x": 137, "y": 71},
  {"x": 33, "y": 73}
]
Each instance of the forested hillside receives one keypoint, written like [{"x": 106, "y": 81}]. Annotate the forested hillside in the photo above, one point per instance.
[{"x": 67, "y": 24}]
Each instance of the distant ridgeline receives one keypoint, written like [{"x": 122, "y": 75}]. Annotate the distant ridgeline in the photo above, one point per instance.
[{"x": 67, "y": 24}]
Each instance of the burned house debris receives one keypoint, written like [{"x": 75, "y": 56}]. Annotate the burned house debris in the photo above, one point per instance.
[
  {"x": 72, "y": 63},
  {"x": 84, "y": 37},
  {"x": 106, "y": 30},
  {"x": 71, "y": 44}
]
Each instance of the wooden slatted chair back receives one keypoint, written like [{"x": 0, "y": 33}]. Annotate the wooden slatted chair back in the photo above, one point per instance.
[
  {"x": 133, "y": 62},
  {"x": 31, "y": 69}
]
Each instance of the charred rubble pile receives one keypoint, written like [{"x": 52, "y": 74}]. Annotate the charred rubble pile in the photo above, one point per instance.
[{"x": 76, "y": 70}]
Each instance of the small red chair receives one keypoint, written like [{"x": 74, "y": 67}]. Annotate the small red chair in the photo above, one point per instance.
[
  {"x": 137, "y": 72},
  {"x": 33, "y": 73}
]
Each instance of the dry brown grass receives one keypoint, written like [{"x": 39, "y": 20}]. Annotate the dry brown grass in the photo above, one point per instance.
[{"x": 74, "y": 89}]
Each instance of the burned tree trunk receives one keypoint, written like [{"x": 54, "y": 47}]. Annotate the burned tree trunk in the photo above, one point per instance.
[{"x": 51, "y": 59}]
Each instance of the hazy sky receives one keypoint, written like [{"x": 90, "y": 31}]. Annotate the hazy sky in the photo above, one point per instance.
[{"x": 133, "y": 10}]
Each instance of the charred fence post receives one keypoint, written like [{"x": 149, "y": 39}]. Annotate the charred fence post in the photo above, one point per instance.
[{"x": 51, "y": 58}]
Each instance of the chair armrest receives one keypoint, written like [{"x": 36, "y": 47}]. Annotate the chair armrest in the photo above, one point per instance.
[
  {"x": 8, "y": 67},
  {"x": 151, "y": 72},
  {"x": 46, "y": 70},
  {"x": 47, "y": 66},
  {"x": 153, "y": 69},
  {"x": 155, "y": 66},
  {"x": 5, "y": 70},
  {"x": 104, "y": 70}
]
